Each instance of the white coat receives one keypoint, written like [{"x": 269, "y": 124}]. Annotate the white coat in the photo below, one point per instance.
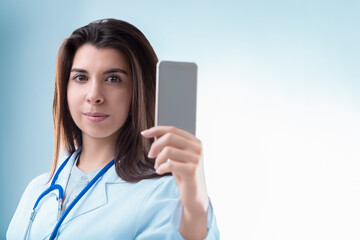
[{"x": 111, "y": 209}]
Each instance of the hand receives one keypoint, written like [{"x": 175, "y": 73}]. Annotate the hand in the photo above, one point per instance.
[{"x": 180, "y": 153}]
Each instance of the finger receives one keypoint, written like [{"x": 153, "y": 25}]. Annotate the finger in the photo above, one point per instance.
[
  {"x": 158, "y": 131},
  {"x": 176, "y": 155},
  {"x": 176, "y": 168},
  {"x": 176, "y": 141}
]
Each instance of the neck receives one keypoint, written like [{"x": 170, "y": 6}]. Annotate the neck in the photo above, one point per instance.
[{"x": 96, "y": 152}]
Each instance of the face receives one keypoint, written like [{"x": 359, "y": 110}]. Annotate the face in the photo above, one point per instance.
[{"x": 99, "y": 91}]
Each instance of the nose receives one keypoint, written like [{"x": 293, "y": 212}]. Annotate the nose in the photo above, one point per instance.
[{"x": 95, "y": 95}]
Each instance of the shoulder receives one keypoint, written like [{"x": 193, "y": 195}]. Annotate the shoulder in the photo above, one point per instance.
[
  {"x": 33, "y": 189},
  {"x": 161, "y": 187},
  {"x": 144, "y": 191},
  {"x": 161, "y": 194},
  {"x": 36, "y": 185},
  {"x": 159, "y": 206},
  {"x": 38, "y": 182},
  {"x": 24, "y": 208}
]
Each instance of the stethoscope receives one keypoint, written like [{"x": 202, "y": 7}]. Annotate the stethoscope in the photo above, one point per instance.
[{"x": 55, "y": 186}]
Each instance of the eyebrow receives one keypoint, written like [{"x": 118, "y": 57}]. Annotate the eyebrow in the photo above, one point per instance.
[{"x": 112, "y": 70}]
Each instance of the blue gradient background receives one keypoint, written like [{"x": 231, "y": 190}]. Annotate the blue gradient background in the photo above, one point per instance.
[{"x": 278, "y": 104}]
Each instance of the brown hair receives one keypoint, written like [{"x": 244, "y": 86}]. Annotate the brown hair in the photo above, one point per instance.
[{"x": 132, "y": 163}]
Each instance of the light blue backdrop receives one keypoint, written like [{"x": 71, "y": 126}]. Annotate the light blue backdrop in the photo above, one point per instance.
[{"x": 264, "y": 58}]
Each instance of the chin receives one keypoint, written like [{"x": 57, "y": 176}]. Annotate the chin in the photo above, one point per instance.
[{"x": 98, "y": 133}]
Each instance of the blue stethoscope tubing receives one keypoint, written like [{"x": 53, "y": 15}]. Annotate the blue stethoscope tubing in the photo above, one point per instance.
[{"x": 55, "y": 186}]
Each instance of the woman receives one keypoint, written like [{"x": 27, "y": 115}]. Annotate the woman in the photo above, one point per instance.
[{"x": 117, "y": 183}]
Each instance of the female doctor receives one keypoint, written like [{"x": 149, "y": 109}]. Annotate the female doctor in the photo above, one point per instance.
[{"x": 118, "y": 182}]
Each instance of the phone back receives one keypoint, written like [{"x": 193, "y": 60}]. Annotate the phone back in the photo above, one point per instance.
[{"x": 176, "y": 88}]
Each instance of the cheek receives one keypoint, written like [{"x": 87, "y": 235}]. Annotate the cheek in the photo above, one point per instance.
[
  {"x": 122, "y": 104},
  {"x": 73, "y": 99}
]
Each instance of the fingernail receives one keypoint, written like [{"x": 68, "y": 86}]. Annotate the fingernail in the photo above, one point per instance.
[{"x": 142, "y": 132}]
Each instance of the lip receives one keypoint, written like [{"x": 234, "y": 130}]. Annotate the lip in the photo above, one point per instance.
[{"x": 96, "y": 116}]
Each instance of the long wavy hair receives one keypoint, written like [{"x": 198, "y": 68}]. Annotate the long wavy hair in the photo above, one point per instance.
[{"x": 132, "y": 163}]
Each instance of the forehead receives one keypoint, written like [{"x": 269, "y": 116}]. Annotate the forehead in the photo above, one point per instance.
[{"x": 92, "y": 58}]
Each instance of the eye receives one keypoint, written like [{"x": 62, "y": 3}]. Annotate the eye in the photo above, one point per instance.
[
  {"x": 80, "y": 78},
  {"x": 113, "y": 79}
]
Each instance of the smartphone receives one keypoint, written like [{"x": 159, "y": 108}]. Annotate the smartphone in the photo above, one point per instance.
[{"x": 176, "y": 89}]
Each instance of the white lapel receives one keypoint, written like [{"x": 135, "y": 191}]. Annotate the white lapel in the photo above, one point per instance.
[{"x": 95, "y": 197}]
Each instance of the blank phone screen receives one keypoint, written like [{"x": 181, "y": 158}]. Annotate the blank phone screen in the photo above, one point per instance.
[{"x": 176, "y": 95}]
